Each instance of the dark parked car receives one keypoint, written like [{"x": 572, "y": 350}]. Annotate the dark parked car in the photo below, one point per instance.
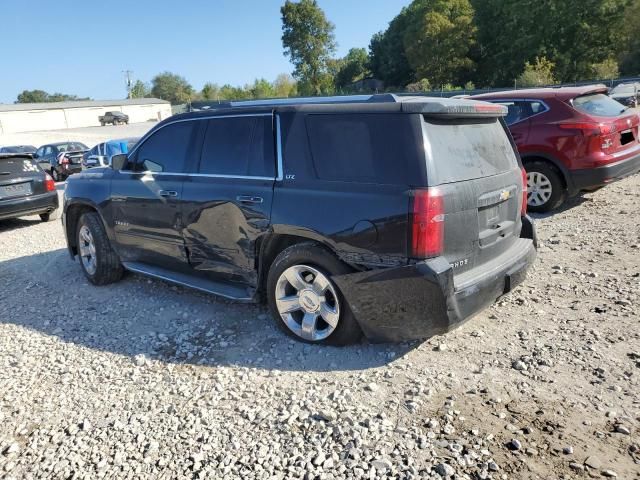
[
  {"x": 100, "y": 155},
  {"x": 396, "y": 217},
  {"x": 116, "y": 118},
  {"x": 627, "y": 94},
  {"x": 570, "y": 139},
  {"x": 61, "y": 159},
  {"x": 18, "y": 149},
  {"x": 25, "y": 189}
]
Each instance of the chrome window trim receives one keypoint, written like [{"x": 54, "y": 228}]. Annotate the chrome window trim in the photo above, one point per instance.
[
  {"x": 280, "y": 172},
  {"x": 211, "y": 175},
  {"x": 498, "y": 100}
]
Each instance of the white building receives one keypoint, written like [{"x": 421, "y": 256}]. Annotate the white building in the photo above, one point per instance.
[{"x": 30, "y": 117}]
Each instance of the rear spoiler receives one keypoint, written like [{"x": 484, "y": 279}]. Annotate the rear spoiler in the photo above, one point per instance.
[
  {"x": 455, "y": 108},
  {"x": 16, "y": 155}
]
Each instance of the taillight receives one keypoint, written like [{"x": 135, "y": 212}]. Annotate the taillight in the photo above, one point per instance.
[
  {"x": 590, "y": 128},
  {"x": 427, "y": 223},
  {"x": 49, "y": 184},
  {"x": 523, "y": 208}
]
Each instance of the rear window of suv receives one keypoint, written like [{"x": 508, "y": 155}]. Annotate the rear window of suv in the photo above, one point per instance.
[
  {"x": 459, "y": 150},
  {"x": 364, "y": 148},
  {"x": 598, "y": 104}
]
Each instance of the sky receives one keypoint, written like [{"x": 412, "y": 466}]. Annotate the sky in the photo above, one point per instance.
[{"x": 82, "y": 47}]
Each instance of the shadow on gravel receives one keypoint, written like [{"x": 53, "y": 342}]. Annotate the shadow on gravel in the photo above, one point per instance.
[
  {"x": 570, "y": 203},
  {"x": 139, "y": 316},
  {"x": 17, "y": 223}
]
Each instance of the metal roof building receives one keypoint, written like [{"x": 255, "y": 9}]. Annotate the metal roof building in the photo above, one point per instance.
[{"x": 29, "y": 117}]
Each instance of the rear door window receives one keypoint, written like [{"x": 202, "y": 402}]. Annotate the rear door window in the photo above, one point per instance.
[
  {"x": 462, "y": 150},
  {"x": 239, "y": 146},
  {"x": 598, "y": 104},
  {"x": 364, "y": 148},
  {"x": 166, "y": 150}
]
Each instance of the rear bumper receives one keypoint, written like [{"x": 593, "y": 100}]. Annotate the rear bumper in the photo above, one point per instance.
[
  {"x": 597, "y": 177},
  {"x": 33, "y": 205},
  {"x": 425, "y": 299}
]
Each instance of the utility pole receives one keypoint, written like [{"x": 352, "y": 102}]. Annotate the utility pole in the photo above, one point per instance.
[{"x": 127, "y": 75}]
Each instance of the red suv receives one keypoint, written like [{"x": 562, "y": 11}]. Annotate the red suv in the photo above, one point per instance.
[{"x": 570, "y": 139}]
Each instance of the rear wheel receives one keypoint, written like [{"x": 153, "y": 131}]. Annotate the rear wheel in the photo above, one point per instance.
[
  {"x": 98, "y": 260},
  {"x": 545, "y": 189},
  {"x": 50, "y": 216},
  {"x": 304, "y": 300}
]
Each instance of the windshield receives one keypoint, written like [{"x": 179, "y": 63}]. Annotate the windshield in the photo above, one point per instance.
[
  {"x": 598, "y": 104},
  {"x": 72, "y": 147},
  {"x": 628, "y": 88}
]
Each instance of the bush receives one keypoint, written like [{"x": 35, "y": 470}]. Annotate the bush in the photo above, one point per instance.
[{"x": 537, "y": 74}]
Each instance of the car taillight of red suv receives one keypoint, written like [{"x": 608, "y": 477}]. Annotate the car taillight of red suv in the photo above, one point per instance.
[{"x": 570, "y": 140}]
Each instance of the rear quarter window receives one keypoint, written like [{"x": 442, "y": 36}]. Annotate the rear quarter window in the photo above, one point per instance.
[
  {"x": 598, "y": 104},
  {"x": 364, "y": 148},
  {"x": 459, "y": 150}
]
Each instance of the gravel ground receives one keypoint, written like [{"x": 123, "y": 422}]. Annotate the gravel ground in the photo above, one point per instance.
[{"x": 142, "y": 379}]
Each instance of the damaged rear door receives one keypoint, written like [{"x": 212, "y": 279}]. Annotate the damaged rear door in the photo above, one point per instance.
[{"x": 226, "y": 205}]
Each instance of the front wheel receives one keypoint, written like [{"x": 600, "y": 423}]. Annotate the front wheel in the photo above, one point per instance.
[
  {"x": 545, "y": 189},
  {"x": 305, "y": 301},
  {"x": 99, "y": 262}
]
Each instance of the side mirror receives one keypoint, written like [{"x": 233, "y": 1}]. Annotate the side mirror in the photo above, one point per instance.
[
  {"x": 35, "y": 155},
  {"x": 119, "y": 161}
]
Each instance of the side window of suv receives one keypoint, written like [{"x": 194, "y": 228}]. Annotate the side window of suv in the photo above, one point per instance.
[
  {"x": 366, "y": 148},
  {"x": 239, "y": 146},
  {"x": 165, "y": 150}
]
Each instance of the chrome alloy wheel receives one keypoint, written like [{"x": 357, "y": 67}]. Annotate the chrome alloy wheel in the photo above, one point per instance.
[
  {"x": 87, "y": 250},
  {"x": 307, "y": 302},
  {"x": 539, "y": 189}
]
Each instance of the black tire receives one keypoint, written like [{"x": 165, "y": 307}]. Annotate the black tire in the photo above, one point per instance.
[
  {"x": 558, "y": 190},
  {"x": 310, "y": 254},
  {"x": 102, "y": 124},
  {"x": 50, "y": 216},
  {"x": 108, "y": 266}
]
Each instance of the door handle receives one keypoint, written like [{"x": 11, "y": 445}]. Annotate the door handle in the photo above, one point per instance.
[
  {"x": 249, "y": 199},
  {"x": 168, "y": 193}
]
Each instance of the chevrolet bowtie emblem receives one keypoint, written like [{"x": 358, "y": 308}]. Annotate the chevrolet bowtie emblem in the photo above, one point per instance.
[{"x": 505, "y": 195}]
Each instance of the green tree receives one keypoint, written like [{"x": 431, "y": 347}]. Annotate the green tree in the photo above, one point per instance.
[
  {"x": 308, "y": 40},
  {"x": 40, "y": 96},
  {"x": 420, "y": 86},
  {"x": 387, "y": 59},
  {"x": 33, "y": 96},
  {"x": 537, "y": 74},
  {"x": 171, "y": 87},
  {"x": 284, "y": 86},
  {"x": 629, "y": 54},
  {"x": 354, "y": 67},
  {"x": 210, "y": 91},
  {"x": 261, "y": 88},
  {"x": 139, "y": 89},
  {"x": 606, "y": 69},
  {"x": 573, "y": 34},
  {"x": 438, "y": 38}
]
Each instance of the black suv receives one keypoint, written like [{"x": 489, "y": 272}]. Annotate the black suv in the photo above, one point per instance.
[
  {"x": 398, "y": 217},
  {"x": 25, "y": 189}
]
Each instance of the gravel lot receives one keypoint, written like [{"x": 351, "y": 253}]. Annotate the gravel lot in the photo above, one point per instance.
[{"x": 142, "y": 379}]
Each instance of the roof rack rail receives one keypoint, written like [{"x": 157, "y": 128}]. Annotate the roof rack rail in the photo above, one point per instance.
[{"x": 268, "y": 102}]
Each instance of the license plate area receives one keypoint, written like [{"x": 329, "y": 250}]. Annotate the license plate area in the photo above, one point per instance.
[
  {"x": 626, "y": 137},
  {"x": 15, "y": 190},
  {"x": 496, "y": 214}
]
